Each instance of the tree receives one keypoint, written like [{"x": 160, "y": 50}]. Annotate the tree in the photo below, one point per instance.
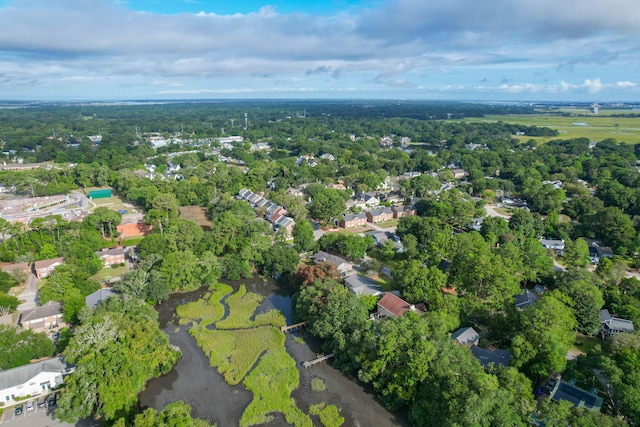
[
  {"x": 307, "y": 274},
  {"x": 19, "y": 347},
  {"x": 576, "y": 254},
  {"x": 326, "y": 204},
  {"x": 279, "y": 260},
  {"x": 420, "y": 284},
  {"x": 181, "y": 270},
  {"x": 105, "y": 220},
  {"x": 175, "y": 414},
  {"x": 546, "y": 331},
  {"x": 396, "y": 358},
  {"x": 303, "y": 238},
  {"x": 115, "y": 352},
  {"x": 585, "y": 299}
]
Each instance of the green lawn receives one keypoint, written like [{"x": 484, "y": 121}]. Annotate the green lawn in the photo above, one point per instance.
[
  {"x": 594, "y": 127},
  {"x": 109, "y": 273},
  {"x": 585, "y": 343},
  {"x": 388, "y": 224}
]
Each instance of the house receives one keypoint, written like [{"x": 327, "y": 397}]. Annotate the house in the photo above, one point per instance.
[
  {"x": 344, "y": 267},
  {"x": 371, "y": 200},
  {"x": 94, "y": 299},
  {"x": 42, "y": 318},
  {"x": 459, "y": 173},
  {"x": 382, "y": 236},
  {"x": 525, "y": 299},
  {"x": 20, "y": 266},
  {"x": 286, "y": 223},
  {"x": 32, "y": 379},
  {"x": 392, "y": 305},
  {"x": 597, "y": 252},
  {"x": 555, "y": 245},
  {"x": 379, "y": 215},
  {"x": 466, "y": 336},
  {"x": 610, "y": 325},
  {"x": 476, "y": 224},
  {"x": 362, "y": 285},
  {"x": 488, "y": 356},
  {"x": 328, "y": 156},
  {"x": 403, "y": 210},
  {"x": 113, "y": 256},
  {"x": 353, "y": 220},
  {"x": 294, "y": 192},
  {"x": 578, "y": 397},
  {"x": 45, "y": 267}
]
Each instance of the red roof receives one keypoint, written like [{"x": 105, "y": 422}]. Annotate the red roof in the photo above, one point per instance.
[{"x": 396, "y": 305}]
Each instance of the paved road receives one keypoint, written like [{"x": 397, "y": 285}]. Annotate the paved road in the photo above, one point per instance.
[
  {"x": 30, "y": 294},
  {"x": 491, "y": 211}
]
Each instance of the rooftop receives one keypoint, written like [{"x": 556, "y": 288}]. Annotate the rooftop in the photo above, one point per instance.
[
  {"x": 578, "y": 397},
  {"x": 20, "y": 375},
  {"x": 466, "y": 335},
  {"x": 396, "y": 305},
  {"x": 51, "y": 308}
]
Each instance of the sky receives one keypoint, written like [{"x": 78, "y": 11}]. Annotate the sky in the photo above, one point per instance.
[{"x": 484, "y": 50}]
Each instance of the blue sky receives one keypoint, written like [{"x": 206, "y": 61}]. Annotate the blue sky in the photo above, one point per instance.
[{"x": 569, "y": 50}]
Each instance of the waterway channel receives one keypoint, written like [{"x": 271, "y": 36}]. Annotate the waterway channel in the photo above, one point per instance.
[{"x": 194, "y": 381}]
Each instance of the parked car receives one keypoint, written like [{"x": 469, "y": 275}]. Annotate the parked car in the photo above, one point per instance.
[
  {"x": 550, "y": 385},
  {"x": 30, "y": 405},
  {"x": 18, "y": 410},
  {"x": 42, "y": 401},
  {"x": 51, "y": 401}
]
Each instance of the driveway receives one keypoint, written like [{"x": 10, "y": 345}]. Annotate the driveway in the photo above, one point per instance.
[
  {"x": 491, "y": 211},
  {"x": 29, "y": 296}
]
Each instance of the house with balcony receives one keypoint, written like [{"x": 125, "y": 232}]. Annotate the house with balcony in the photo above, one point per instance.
[{"x": 43, "y": 318}]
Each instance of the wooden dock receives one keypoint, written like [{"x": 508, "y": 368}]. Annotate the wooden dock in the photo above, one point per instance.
[
  {"x": 317, "y": 360},
  {"x": 285, "y": 329}
]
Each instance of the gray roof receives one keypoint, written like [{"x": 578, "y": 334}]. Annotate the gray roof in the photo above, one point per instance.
[
  {"x": 112, "y": 251},
  {"x": 52, "y": 308},
  {"x": 616, "y": 323},
  {"x": 351, "y": 217},
  {"x": 487, "y": 356},
  {"x": 362, "y": 285},
  {"x": 98, "y": 296},
  {"x": 381, "y": 211},
  {"x": 325, "y": 257},
  {"x": 466, "y": 335},
  {"x": 20, "y": 375},
  {"x": 525, "y": 299},
  {"x": 552, "y": 243}
]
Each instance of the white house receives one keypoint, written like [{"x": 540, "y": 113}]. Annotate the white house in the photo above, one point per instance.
[{"x": 32, "y": 379}]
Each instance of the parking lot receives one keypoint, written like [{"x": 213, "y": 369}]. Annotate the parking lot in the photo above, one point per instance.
[{"x": 37, "y": 417}]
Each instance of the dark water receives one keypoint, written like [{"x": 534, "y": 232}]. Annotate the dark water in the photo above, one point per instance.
[{"x": 197, "y": 383}]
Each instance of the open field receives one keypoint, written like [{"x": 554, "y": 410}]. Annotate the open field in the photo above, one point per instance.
[
  {"x": 107, "y": 274},
  {"x": 594, "y": 127}
]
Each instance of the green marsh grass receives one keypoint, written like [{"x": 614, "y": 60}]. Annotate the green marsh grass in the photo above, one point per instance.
[{"x": 329, "y": 414}]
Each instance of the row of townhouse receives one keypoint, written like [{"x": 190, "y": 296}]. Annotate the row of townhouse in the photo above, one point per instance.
[
  {"x": 274, "y": 213},
  {"x": 376, "y": 215}
]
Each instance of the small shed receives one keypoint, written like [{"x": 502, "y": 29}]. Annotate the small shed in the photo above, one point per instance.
[{"x": 100, "y": 194}]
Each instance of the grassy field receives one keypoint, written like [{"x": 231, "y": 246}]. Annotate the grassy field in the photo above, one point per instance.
[
  {"x": 594, "y": 127},
  {"x": 387, "y": 224},
  {"x": 109, "y": 273},
  {"x": 247, "y": 351}
]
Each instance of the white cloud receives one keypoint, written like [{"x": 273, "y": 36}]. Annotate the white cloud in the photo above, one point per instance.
[{"x": 400, "y": 43}]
